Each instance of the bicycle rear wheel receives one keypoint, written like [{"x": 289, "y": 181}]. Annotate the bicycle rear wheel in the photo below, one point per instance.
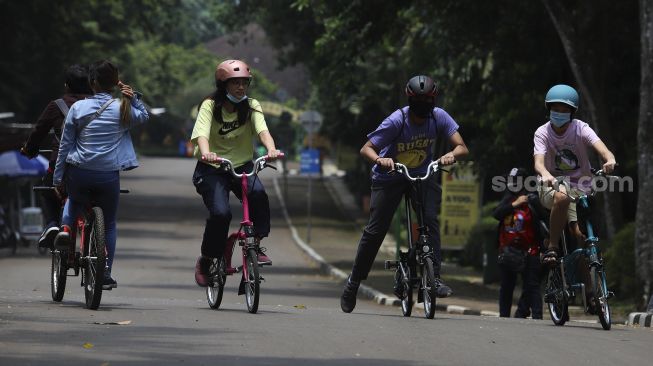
[
  {"x": 95, "y": 259},
  {"x": 252, "y": 285},
  {"x": 218, "y": 278},
  {"x": 58, "y": 274},
  {"x": 555, "y": 295},
  {"x": 428, "y": 287},
  {"x": 600, "y": 287}
]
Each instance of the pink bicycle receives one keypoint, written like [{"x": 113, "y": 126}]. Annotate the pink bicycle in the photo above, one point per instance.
[{"x": 220, "y": 268}]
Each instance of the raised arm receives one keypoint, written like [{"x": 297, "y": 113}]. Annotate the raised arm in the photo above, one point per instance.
[
  {"x": 459, "y": 150},
  {"x": 268, "y": 142},
  {"x": 606, "y": 155},
  {"x": 371, "y": 154}
]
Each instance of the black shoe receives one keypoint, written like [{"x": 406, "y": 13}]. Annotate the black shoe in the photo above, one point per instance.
[
  {"x": 109, "y": 283},
  {"x": 441, "y": 289},
  {"x": 47, "y": 237},
  {"x": 63, "y": 240},
  {"x": 348, "y": 298}
]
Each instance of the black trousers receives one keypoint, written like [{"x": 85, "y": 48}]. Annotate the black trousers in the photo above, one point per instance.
[
  {"x": 530, "y": 301},
  {"x": 384, "y": 200},
  {"x": 214, "y": 185}
]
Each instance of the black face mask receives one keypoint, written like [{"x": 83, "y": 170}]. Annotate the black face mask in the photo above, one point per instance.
[{"x": 420, "y": 108}]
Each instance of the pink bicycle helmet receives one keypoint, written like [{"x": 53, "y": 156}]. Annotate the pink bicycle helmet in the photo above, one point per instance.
[{"x": 230, "y": 69}]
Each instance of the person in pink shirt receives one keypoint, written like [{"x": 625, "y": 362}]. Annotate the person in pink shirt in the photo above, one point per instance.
[{"x": 561, "y": 150}]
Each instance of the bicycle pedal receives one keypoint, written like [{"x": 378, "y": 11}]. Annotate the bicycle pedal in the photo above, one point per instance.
[
  {"x": 391, "y": 264},
  {"x": 236, "y": 270},
  {"x": 610, "y": 294},
  {"x": 261, "y": 278}
]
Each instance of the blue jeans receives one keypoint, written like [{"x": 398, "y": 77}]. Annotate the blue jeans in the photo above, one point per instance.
[
  {"x": 100, "y": 188},
  {"x": 214, "y": 186}
]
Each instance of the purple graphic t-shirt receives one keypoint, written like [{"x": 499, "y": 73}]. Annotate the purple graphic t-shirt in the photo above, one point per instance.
[
  {"x": 566, "y": 155},
  {"x": 411, "y": 144}
]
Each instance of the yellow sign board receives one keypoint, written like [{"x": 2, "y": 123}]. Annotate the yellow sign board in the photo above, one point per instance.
[
  {"x": 275, "y": 109},
  {"x": 460, "y": 205}
]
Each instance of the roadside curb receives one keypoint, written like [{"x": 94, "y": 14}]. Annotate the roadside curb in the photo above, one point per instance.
[
  {"x": 367, "y": 291},
  {"x": 640, "y": 319}
]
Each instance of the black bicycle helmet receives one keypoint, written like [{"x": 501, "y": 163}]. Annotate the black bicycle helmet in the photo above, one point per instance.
[{"x": 421, "y": 85}]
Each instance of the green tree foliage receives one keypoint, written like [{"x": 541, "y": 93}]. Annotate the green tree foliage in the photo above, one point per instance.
[
  {"x": 41, "y": 38},
  {"x": 494, "y": 62}
]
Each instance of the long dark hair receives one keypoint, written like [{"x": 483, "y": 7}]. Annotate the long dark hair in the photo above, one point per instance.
[
  {"x": 219, "y": 97},
  {"x": 106, "y": 75}
]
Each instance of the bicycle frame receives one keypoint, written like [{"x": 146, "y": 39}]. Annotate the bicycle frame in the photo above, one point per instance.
[
  {"x": 591, "y": 251},
  {"x": 421, "y": 245},
  {"x": 75, "y": 258},
  {"x": 245, "y": 234}
]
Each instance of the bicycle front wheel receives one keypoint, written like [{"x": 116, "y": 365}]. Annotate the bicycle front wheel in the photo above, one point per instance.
[
  {"x": 407, "y": 289},
  {"x": 95, "y": 259},
  {"x": 58, "y": 273},
  {"x": 252, "y": 282},
  {"x": 555, "y": 295},
  {"x": 600, "y": 288},
  {"x": 428, "y": 287},
  {"x": 218, "y": 278}
]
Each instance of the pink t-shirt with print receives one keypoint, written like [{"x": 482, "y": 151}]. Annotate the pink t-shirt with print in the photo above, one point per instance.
[{"x": 566, "y": 155}]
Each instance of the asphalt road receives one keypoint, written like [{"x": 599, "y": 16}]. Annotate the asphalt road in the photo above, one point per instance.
[{"x": 299, "y": 320}]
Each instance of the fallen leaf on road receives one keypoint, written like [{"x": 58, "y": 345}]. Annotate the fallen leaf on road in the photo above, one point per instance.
[
  {"x": 87, "y": 345},
  {"x": 122, "y": 322},
  {"x": 300, "y": 306}
]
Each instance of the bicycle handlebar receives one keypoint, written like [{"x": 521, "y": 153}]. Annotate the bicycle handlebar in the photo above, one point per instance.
[
  {"x": 259, "y": 164},
  {"x": 431, "y": 169},
  {"x": 596, "y": 173}
]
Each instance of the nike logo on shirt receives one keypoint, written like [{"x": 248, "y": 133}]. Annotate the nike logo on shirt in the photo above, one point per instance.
[{"x": 228, "y": 127}]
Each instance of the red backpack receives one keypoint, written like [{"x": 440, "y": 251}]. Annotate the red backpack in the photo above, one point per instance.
[{"x": 516, "y": 229}]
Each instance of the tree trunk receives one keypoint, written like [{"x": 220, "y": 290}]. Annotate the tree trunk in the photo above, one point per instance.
[
  {"x": 591, "y": 95},
  {"x": 644, "y": 217}
]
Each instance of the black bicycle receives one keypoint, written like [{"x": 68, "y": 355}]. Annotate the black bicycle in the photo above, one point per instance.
[{"x": 420, "y": 257}]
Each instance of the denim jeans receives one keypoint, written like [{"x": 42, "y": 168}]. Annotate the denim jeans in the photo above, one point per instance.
[
  {"x": 214, "y": 185},
  {"x": 95, "y": 187},
  {"x": 384, "y": 200}
]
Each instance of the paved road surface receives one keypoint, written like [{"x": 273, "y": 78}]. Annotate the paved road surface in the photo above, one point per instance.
[{"x": 299, "y": 321}]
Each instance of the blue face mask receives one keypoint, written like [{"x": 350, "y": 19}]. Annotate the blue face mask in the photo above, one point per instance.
[
  {"x": 559, "y": 119},
  {"x": 234, "y": 99}
]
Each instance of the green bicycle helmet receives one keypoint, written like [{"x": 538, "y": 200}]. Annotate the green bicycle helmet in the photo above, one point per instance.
[{"x": 562, "y": 94}]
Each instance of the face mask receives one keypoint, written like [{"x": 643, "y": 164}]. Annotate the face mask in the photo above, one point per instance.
[
  {"x": 559, "y": 119},
  {"x": 420, "y": 108},
  {"x": 235, "y": 100}
]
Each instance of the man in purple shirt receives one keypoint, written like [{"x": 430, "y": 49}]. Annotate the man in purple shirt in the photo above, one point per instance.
[
  {"x": 407, "y": 136},
  {"x": 561, "y": 150}
]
